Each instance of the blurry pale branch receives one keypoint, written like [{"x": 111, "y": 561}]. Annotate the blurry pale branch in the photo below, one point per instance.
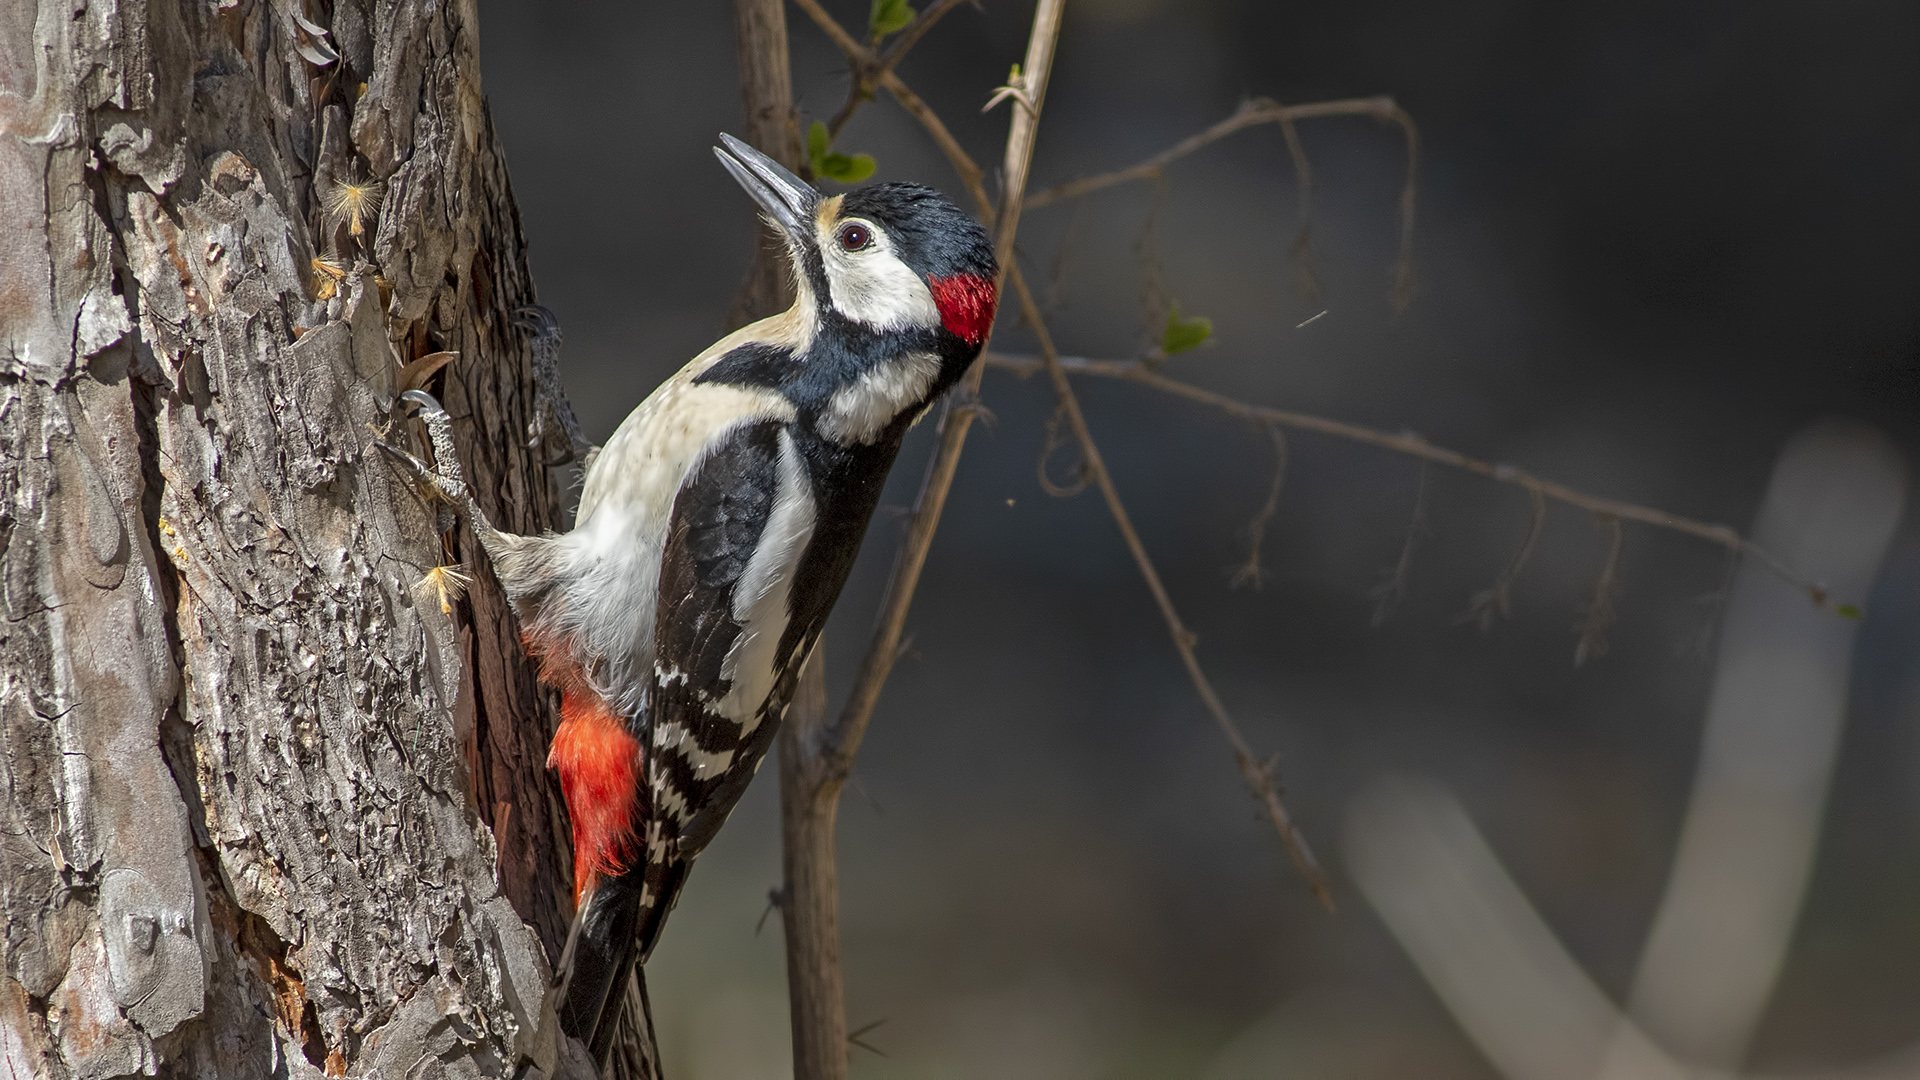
[
  {"x": 1253, "y": 113},
  {"x": 1390, "y": 592},
  {"x": 1409, "y": 443},
  {"x": 1714, "y": 952},
  {"x": 884, "y": 649},
  {"x": 1251, "y": 572}
]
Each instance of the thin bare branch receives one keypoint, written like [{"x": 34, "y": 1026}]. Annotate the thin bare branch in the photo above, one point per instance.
[
  {"x": 1600, "y": 613},
  {"x": 1252, "y": 573},
  {"x": 845, "y": 736},
  {"x": 1304, "y": 276},
  {"x": 970, "y": 173},
  {"x": 1259, "y": 775},
  {"x": 1388, "y": 595},
  {"x": 1409, "y": 443},
  {"x": 1497, "y": 602},
  {"x": 865, "y": 80},
  {"x": 841, "y": 740},
  {"x": 1252, "y": 113},
  {"x": 1258, "y": 111}
]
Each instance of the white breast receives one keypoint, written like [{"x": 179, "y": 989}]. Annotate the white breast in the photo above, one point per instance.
[
  {"x": 611, "y": 560},
  {"x": 859, "y": 411}
]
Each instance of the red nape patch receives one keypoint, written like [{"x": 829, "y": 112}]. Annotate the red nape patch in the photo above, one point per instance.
[
  {"x": 599, "y": 765},
  {"x": 966, "y": 303}
]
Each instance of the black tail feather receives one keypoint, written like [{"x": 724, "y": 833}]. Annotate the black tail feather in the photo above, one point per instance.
[
  {"x": 598, "y": 957},
  {"x": 600, "y": 994}
]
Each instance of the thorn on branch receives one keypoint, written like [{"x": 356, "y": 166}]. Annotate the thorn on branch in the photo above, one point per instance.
[
  {"x": 1497, "y": 602},
  {"x": 776, "y": 901},
  {"x": 1251, "y": 572},
  {"x": 857, "y": 1038},
  {"x": 1015, "y": 90},
  {"x": 1600, "y": 612},
  {"x": 1390, "y": 593}
]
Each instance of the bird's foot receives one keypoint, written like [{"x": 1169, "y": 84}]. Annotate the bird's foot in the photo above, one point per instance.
[
  {"x": 550, "y": 397},
  {"x": 443, "y": 478}
]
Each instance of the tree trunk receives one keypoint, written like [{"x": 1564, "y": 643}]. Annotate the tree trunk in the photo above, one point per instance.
[
  {"x": 271, "y": 807},
  {"x": 772, "y": 126}
]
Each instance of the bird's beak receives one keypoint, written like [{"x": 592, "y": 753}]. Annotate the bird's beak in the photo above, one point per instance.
[{"x": 789, "y": 199}]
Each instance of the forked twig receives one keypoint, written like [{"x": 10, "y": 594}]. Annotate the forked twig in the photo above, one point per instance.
[
  {"x": 1497, "y": 602},
  {"x": 1388, "y": 595},
  {"x": 1251, "y": 572},
  {"x": 1600, "y": 612},
  {"x": 911, "y": 559},
  {"x": 841, "y": 739},
  {"x": 1304, "y": 275},
  {"x": 865, "y": 79},
  {"x": 1137, "y": 372},
  {"x": 1259, "y": 775},
  {"x": 1253, "y": 113},
  {"x": 1081, "y": 478}
]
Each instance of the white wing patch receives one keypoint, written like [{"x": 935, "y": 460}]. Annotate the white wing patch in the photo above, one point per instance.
[
  {"x": 760, "y": 597},
  {"x": 861, "y": 411}
]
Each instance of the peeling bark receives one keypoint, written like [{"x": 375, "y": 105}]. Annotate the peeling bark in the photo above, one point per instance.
[{"x": 270, "y": 809}]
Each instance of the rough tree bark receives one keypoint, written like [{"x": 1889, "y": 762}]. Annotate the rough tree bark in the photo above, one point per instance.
[{"x": 270, "y": 808}]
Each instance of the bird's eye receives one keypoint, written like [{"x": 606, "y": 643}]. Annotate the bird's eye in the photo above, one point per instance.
[{"x": 855, "y": 237}]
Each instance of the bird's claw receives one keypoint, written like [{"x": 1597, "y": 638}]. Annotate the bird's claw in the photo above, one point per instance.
[
  {"x": 442, "y": 478},
  {"x": 538, "y": 319},
  {"x": 550, "y": 403}
]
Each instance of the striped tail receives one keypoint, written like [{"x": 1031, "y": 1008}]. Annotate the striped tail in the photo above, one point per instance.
[
  {"x": 624, "y": 887},
  {"x": 602, "y": 991}
]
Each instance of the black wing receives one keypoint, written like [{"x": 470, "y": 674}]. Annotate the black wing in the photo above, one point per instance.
[{"x": 718, "y": 520}]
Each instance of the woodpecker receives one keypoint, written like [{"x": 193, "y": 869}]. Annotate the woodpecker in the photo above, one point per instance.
[{"x": 715, "y": 530}]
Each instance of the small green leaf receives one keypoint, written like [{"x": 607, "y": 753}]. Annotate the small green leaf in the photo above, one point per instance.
[
  {"x": 818, "y": 143},
  {"x": 827, "y": 165},
  {"x": 1183, "y": 334},
  {"x": 888, "y": 16},
  {"x": 1847, "y": 611},
  {"x": 847, "y": 169}
]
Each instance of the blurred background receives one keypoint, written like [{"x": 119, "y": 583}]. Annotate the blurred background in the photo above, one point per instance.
[{"x": 1654, "y": 241}]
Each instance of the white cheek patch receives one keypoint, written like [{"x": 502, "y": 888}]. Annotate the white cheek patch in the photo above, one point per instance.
[
  {"x": 873, "y": 286},
  {"x": 859, "y": 412}
]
